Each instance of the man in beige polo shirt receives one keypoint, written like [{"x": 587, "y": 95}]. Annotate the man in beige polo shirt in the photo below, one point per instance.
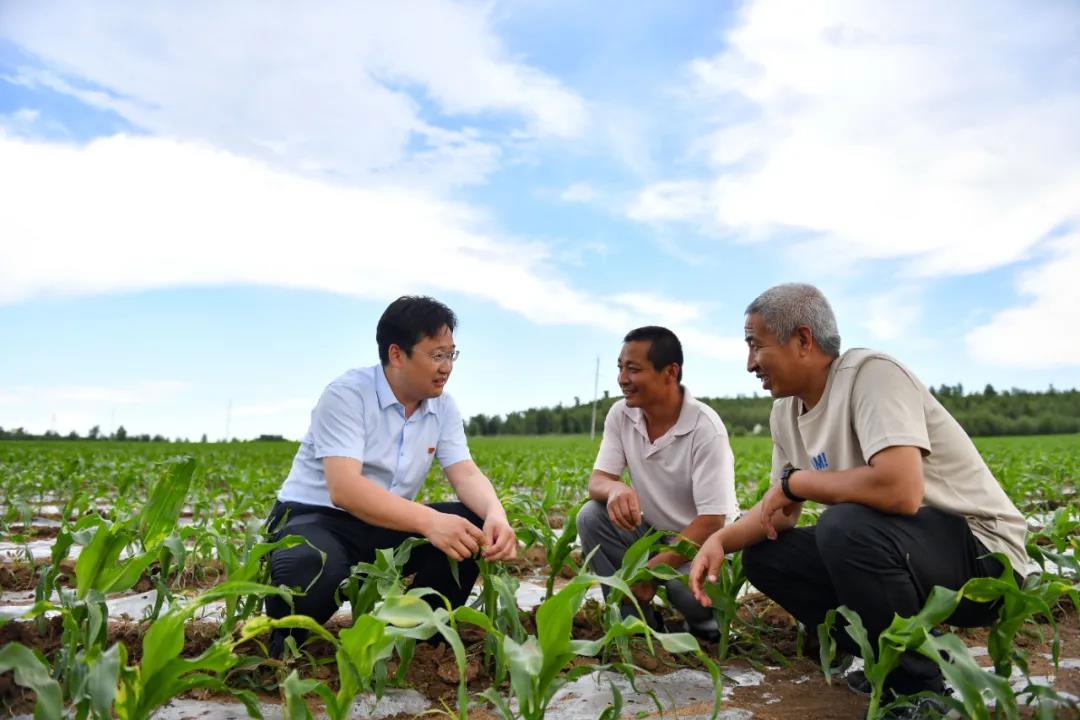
[
  {"x": 682, "y": 471},
  {"x": 911, "y": 503}
]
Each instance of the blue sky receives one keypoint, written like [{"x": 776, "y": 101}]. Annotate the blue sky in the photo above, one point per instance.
[{"x": 205, "y": 206}]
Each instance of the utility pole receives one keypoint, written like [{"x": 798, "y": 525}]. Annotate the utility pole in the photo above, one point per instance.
[
  {"x": 228, "y": 421},
  {"x": 595, "y": 399}
]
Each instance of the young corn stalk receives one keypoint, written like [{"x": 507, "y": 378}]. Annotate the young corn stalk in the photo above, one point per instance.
[
  {"x": 1017, "y": 605},
  {"x": 538, "y": 665},
  {"x": 913, "y": 634},
  {"x": 724, "y": 594},
  {"x": 163, "y": 674},
  {"x": 498, "y": 602}
]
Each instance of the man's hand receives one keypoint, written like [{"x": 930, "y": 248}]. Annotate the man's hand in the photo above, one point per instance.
[
  {"x": 454, "y": 535},
  {"x": 644, "y": 591},
  {"x": 623, "y": 507},
  {"x": 775, "y": 501},
  {"x": 706, "y": 567},
  {"x": 500, "y": 542}
]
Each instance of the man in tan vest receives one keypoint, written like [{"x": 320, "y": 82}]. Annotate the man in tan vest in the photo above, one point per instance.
[{"x": 911, "y": 504}]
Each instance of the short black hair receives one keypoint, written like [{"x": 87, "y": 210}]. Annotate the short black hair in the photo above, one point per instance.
[
  {"x": 410, "y": 319},
  {"x": 664, "y": 346}
]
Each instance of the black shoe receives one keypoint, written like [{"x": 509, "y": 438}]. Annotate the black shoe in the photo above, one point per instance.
[
  {"x": 705, "y": 632},
  {"x": 276, "y": 648},
  {"x": 923, "y": 708},
  {"x": 649, "y": 616},
  {"x": 857, "y": 683}
]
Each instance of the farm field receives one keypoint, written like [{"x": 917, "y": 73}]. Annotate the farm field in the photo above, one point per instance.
[{"x": 131, "y": 577}]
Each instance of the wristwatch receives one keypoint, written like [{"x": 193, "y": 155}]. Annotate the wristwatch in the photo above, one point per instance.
[{"x": 785, "y": 477}]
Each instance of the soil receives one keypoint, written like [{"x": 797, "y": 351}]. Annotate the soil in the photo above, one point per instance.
[
  {"x": 793, "y": 688},
  {"x": 20, "y": 576}
]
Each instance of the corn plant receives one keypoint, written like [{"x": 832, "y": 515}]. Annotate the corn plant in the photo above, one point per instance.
[
  {"x": 724, "y": 594},
  {"x": 31, "y": 671},
  {"x": 1017, "y": 606},
  {"x": 370, "y": 582},
  {"x": 246, "y": 564},
  {"x": 634, "y": 569},
  {"x": 498, "y": 600},
  {"x": 163, "y": 674},
  {"x": 561, "y": 553},
  {"x": 913, "y": 634},
  {"x": 538, "y": 665},
  {"x": 100, "y": 566},
  {"x": 362, "y": 650},
  {"x": 1058, "y": 542}
]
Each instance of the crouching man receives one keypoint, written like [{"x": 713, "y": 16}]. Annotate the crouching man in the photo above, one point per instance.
[
  {"x": 911, "y": 504},
  {"x": 373, "y": 436},
  {"x": 682, "y": 475}
]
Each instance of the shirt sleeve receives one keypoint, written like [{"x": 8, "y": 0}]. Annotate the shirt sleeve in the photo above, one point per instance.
[
  {"x": 712, "y": 474},
  {"x": 611, "y": 458},
  {"x": 887, "y": 409},
  {"x": 779, "y": 460},
  {"x": 337, "y": 423},
  {"x": 780, "y": 457},
  {"x": 452, "y": 447}
]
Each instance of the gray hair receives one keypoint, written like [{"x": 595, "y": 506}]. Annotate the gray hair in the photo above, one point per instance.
[{"x": 785, "y": 308}]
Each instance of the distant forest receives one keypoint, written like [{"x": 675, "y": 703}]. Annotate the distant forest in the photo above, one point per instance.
[{"x": 989, "y": 412}]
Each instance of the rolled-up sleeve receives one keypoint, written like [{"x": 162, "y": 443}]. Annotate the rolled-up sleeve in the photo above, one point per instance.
[
  {"x": 337, "y": 423},
  {"x": 611, "y": 458},
  {"x": 452, "y": 447}
]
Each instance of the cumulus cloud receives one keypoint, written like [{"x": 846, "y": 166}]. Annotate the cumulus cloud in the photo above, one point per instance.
[
  {"x": 891, "y": 315},
  {"x": 333, "y": 89},
  {"x": 940, "y": 133},
  {"x": 142, "y": 213},
  {"x": 1042, "y": 332}
]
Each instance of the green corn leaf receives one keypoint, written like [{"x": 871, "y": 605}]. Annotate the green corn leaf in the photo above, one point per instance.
[
  {"x": 262, "y": 624},
  {"x": 827, "y": 644},
  {"x": 295, "y": 690},
  {"x": 969, "y": 679},
  {"x": 365, "y": 643},
  {"x": 162, "y": 510},
  {"x": 561, "y": 552},
  {"x": 100, "y": 554},
  {"x": 31, "y": 671},
  {"x": 103, "y": 678}
]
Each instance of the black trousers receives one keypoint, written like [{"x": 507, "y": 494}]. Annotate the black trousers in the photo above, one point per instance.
[
  {"x": 347, "y": 540},
  {"x": 877, "y": 564}
]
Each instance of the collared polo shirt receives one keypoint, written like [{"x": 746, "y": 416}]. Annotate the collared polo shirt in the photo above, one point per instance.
[
  {"x": 688, "y": 471},
  {"x": 359, "y": 417}
]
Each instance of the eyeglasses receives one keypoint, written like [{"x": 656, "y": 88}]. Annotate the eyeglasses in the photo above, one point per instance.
[{"x": 441, "y": 356}]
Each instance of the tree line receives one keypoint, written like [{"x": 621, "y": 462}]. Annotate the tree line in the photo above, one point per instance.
[
  {"x": 981, "y": 413},
  {"x": 120, "y": 434}
]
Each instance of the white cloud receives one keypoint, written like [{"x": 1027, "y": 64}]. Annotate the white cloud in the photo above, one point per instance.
[
  {"x": 657, "y": 310},
  {"x": 274, "y": 409},
  {"x": 673, "y": 200},
  {"x": 101, "y": 395},
  {"x": 142, "y": 213},
  {"x": 579, "y": 193},
  {"x": 891, "y": 315},
  {"x": 1041, "y": 333},
  {"x": 325, "y": 88},
  {"x": 942, "y": 133}
]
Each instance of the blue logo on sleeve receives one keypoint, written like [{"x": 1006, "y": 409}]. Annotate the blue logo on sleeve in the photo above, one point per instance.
[{"x": 819, "y": 461}]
